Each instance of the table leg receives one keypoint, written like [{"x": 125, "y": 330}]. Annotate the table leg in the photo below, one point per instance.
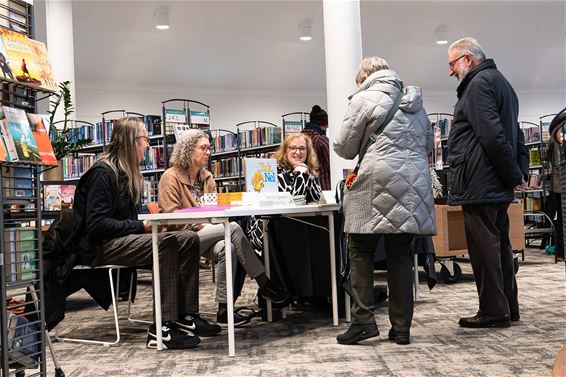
[
  {"x": 266, "y": 263},
  {"x": 416, "y": 274},
  {"x": 229, "y": 288},
  {"x": 156, "y": 286},
  {"x": 333, "y": 269}
]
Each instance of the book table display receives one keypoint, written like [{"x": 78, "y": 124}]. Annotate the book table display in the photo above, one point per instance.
[{"x": 221, "y": 215}]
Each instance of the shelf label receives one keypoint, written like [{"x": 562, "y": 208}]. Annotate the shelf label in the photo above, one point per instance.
[
  {"x": 175, "y": 116},
  {"x": 200, "y": 117},
  {"x": 292, "y": 126}
]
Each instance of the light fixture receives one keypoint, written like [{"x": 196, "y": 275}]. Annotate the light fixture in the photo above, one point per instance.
[
  {"x": 305, "y": 29},
  {"x": 161, "y": 18},
  {"x": 441, "y": 35}
]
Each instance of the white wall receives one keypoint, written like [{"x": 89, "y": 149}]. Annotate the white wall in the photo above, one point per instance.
[
  {"x": 230, "y": 107},
  {"x": 226, "y": 107}
]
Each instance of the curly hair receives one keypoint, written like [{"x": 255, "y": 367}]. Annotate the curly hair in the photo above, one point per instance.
[
  {"x": 311, "y": 160},
  {"x": 182, "y": 155}
]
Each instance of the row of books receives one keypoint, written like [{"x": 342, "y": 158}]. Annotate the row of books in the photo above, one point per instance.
[
  {"x": 25, "y": 137},
  {"x": 154, "y": 158},
  {"x": 444, "y": 126},
  {"x": 101, "y": 132},
  {"x": 532, "y": 134},
  {"x": 535, "y": 180},
  {"x": 58, "y": 197},
  {"x": 150, "y": 185},
  {"x": 532, "y": 203},
  {"x": 75, "y": 166},
  {"x": 227, "y": 167},
  {"x": 225, "y": 143},
  {"x": 20, "y": 257},
  {"x": 260, "y": 136}
]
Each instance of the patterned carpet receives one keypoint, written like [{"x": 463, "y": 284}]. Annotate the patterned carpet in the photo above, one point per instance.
[{"x": 304, "y": 344}]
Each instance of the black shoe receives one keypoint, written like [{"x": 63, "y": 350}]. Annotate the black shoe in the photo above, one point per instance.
[
  {"x": 274, "y": 293},
  {"x": 239, "y": 320},
  {"x": 172, "y": 338},
  {"x": 482, "y": 321},
  {"x": 514, "y": 317},
  {"x": 194, "y": 323},
  {"x": 400, "y": 337},
  {"x": 357, "y": 333}
]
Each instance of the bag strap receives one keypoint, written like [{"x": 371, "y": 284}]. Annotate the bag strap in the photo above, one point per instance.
[{"x": 373, "y": 136}]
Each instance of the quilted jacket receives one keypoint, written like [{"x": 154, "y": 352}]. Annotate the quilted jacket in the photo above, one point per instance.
[{"x": 392, "y": 193}]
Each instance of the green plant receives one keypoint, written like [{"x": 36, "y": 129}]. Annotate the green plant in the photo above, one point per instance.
[{"x": 63, "y": 139}]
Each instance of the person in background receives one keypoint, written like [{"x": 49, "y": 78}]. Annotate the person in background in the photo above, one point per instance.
[
  {"x": 105, "y": 211},
  {"x": 297, "y": 173},
  {"x": 391, "y": 197},
  {"x": 184, "y": 185},
  {"x": 483, "y": 153},
  {"x": 316, "y": 130}
]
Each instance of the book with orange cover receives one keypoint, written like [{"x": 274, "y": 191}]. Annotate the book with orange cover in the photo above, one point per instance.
[
  {"x": 28, "y": 60},
  {"x": 42, "y": 140}
]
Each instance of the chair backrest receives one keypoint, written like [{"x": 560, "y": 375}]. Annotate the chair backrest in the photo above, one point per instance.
[{"x": 153, "y": 208}]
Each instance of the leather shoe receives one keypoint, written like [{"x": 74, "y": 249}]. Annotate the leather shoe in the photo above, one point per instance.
[
  {"x": 357, "y": 333},
  {"x": 515, "y": 317},
  {"x": 400, "y": 337},
  {"x": 481, "y": 320}
]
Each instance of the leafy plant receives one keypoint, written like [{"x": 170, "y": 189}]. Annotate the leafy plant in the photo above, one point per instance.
[{"x": 64, "y": 140}]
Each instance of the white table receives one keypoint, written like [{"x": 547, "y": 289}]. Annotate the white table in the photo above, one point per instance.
[{"x": 221, "y": 216}]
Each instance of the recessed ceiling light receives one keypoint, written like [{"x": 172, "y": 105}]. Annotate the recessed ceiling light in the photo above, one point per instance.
[
  {"x": 161, "y": 18},
  {"x": 305, "y": 30},
  {"x": 440, "y": 35}
]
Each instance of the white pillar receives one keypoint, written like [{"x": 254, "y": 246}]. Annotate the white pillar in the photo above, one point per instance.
[
  {"x": 54, "y": 26},
  {"x": 343, "y": 53}
]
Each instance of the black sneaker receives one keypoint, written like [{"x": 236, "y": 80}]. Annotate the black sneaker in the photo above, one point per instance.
[
  {"x": 357, "y": 333},
  {"x": 194, "y": 323},
  {"x": 274, "y": 293},
  {"x": 239, "y": 320},
  {"x": 400, "y": 337},
  {"x": 172, "y": 338}
]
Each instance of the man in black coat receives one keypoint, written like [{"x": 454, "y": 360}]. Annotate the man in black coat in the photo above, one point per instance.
[{"x": 486, "y": 156}]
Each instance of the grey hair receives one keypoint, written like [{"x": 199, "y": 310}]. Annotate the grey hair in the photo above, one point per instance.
[
  {"x": 468, "y": 46},
  {"x": 182, "y": 155},
  {"x": 369, "y": 66}
]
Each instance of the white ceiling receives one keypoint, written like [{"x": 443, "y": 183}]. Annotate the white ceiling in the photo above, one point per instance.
[{"x": 254, "y": 45}]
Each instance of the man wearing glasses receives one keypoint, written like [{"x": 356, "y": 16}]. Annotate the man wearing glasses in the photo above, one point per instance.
[{"x": 485, "y": 154}]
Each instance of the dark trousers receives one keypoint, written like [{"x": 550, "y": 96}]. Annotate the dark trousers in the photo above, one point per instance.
[
  {"x": 178, "y": 266},
  {"x": 491, "y": 256},
  {"x": 553, "y": 207},
  {"x": 398, "y": 248}
]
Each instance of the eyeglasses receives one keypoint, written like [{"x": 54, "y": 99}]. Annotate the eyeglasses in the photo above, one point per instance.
[
  {"x": 451, "y": 64},
  {"x": 145, "y": 138},
  {"x": 298, "y": 149},
  {"x": 204, "y": 148}
]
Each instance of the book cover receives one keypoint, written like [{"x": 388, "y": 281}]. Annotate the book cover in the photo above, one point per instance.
[
  {"x": 3, "y": 151},
  {"x": 11, "y": 152},
  {"x": 22, "y": 184},
  {"x": 10, "y": 256},
  {"x": 42, "y": 140},
  {"x": 534, "y": 157},
  {"x": 260, "y": 174},
  {"x": 67, "y": 196},
  {"x": 28, "y": 60},
  {"x": 7, "y": 73},
  {"x": 28, "y": 254},
  {"x": 18, "y": 129},
  {"x": 52, "y": 197}
]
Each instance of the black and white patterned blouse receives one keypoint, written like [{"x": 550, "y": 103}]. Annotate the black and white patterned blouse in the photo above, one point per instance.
[{"x": 297, "y": 184}]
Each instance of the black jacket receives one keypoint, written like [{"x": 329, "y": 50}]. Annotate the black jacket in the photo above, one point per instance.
[
  {"x": 484, "y": 144},
  {"x": 104, "y": 210}
]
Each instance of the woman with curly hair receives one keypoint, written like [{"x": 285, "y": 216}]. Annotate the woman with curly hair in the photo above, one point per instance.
[{"x": 182, "y": 186}]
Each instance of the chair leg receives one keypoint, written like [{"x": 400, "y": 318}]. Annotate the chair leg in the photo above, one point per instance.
[{"x": 130, "y": 319}]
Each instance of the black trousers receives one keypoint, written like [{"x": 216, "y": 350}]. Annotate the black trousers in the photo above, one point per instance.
[
  {"x": 553, "y": 207},
  {"x": 178, "y": 266},
  {"x": 491, "y": 256},
  {"x": 398, "y": 248}
]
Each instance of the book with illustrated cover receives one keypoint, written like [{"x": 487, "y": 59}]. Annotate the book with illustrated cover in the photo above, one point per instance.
[
  {"x": 261, "y": 175},
  {"x": 11, "y": 152},
  {"x": 534, "y": 157},
  {"x": 42, "y": 140},
  {"x": 11, "y": 265},
  {"x": 18, "y": 130},
  {"x": 7, "y": 73},
  {"x": 67, "y": 196},
  {"x": 28, "y": 253},
  {"x": 51, "y": 197},
  {"x": 3, "y": 151},
  {"x": 28, "y": 60}
]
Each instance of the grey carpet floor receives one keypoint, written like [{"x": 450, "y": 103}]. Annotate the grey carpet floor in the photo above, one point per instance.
[{"x": 304, "y": 344}]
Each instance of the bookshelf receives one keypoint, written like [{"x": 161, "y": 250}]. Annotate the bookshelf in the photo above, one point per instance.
[
  {"x": 254, "y": 138},
  {"x": 441, "y": 123},
  {"x": 293, "y": 122}
]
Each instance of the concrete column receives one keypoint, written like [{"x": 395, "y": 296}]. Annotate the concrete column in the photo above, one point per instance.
[
  {"x": 54, "y": 26},
  {"x": 343, "y": 53}
]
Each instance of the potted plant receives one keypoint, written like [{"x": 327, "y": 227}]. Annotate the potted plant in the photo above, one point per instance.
[{"x": 63, "y": 138}]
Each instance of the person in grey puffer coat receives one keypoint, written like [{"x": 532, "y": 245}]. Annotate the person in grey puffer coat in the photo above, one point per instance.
[{"x": 391, "y": 197}]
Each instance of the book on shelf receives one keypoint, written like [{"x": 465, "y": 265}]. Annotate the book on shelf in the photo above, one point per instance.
[
  {"x": 532, "y": 134},
  {"x": 18, "y": 135},
  {"x": 545, "y": 126},
  {"x": 51, "y": 197},
  {"x": 21, "y": 182},
  {"x": 534, "y": 157},
  {"x": 42, "y": 140},
  {"x": 28, "y": 253},
  {"x": 28, "y": 60},
  {"x": 153, "y": 124},
  {"x": 260, "y": 175},
  {"x": 7, "y": 73},
  {"x": 11, "y": 254},
  {"x": 67, "y": 196}
]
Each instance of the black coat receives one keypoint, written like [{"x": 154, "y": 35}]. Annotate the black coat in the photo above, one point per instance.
[
  {"x": 104, "y": 209},
  {"x": 485, "y": 144}
]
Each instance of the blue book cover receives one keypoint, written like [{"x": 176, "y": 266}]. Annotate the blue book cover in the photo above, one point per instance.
[
  {"x": 261, "y": 175},
  {"x": 19, "y": 131}
]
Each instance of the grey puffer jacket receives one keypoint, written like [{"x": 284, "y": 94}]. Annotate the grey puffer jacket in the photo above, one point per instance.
[{"x": 392, "y": 193}]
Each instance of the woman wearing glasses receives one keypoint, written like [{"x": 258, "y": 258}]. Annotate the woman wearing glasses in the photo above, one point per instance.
[{"x": 184, "y": 185}]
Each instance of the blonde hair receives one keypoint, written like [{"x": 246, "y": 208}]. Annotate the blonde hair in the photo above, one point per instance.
[
  {"x": 121, "y": 155},
  {"x": 182, "y": 155},
  {"x": 369, "y": 66},
  {"x": 311, "y": 161}
]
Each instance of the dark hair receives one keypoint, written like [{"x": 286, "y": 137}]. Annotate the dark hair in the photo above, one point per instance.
[{"x": 318, "y": 115}]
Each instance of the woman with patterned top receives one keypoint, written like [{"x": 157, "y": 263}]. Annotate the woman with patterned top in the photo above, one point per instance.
[
  {"x": 297, "y": 173},
  {"x": 184, "y": 185}
]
